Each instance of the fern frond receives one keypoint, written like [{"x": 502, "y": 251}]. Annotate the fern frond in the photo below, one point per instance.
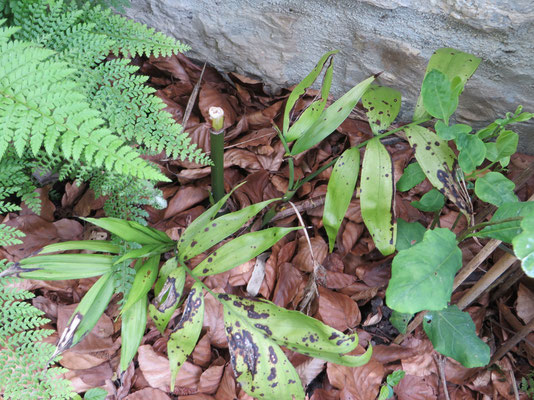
[
  {"x": 39, "y": 105},
  {"x": 9, "y": 236}
]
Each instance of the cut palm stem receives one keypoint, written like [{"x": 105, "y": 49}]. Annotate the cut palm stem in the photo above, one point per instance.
[{"x": 217, "y": 152}]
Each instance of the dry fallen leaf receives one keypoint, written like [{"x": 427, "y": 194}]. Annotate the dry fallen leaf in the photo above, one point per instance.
[
  {"x": 525, "y": 304},
  {"x": 148, "y": 393},
  {"x": 337, "y": 310}
]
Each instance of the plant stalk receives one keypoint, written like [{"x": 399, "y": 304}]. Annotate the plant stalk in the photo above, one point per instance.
[{"x": 217, "y": 152}]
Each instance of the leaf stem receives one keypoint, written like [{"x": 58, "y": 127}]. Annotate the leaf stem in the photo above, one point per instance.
[
  {"x": 467, "y": 232},
  {"x": 217, "y": 152}
]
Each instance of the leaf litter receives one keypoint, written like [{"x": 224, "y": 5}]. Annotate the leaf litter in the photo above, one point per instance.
[{"x": 350, "y": 297}]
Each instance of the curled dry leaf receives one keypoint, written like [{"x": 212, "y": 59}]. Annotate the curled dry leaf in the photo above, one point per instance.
[
  {"x": 84, "y": 379},
  {"x": 413, "y": 387},
  {"x": 148, "y": 393},
  {"x": 210, "y": 379},
  {"x": 337, "y": 310},
  {"x": 303, "y": 260},
  {"x": 156, "y": 370},
  {"x": 361, "y": 383},
  {"x": 209, "y": 96},
  {"x": 287, "y": 286},
  {"x": 227, "y": 386},
  {"x": 184, "y": 199},
  {"x": 213, "y": 322},
  {"x": 202, "y": 353},
  {"x": 309, "y": 369},
  {"x": 422, "y": 363},
  {"x": 525, "y": 303}
]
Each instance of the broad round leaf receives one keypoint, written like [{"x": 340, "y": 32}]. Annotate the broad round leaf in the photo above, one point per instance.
[
  {"x": 438, "y": 98},
  {"x": 430, "y": 202},
  {"x": 422, "y": 276},
  {"x": 452, "y": 333},
  {"x": 524, "y": 245},
  {"x": 412, "y": 176},
  {"x": 495, "y": 188},
  {"x": 506, "y": 231}
]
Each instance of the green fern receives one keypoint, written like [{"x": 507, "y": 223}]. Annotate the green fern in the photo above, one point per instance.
[{"x": 23, "y": 356}]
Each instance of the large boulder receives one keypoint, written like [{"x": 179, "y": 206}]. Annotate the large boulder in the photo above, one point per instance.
[{"x": 279, "y": 41}]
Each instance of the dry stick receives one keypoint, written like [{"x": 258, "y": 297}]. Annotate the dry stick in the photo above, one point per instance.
[
  {"x": 513, "y": 341},
  {"x": 514, "y": 384},
  {"x": 441, "y": 368},
  {"x": 301, "y": 206},
  {"x": 192, "y": 98}
]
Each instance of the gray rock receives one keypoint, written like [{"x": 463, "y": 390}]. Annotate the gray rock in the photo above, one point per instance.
[{"x": 280, "y": 41}]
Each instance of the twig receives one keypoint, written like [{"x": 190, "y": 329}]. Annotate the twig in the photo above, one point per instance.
[
  {"x": 439, "y": 361},
  {"x": 514, "y": 384},
  {"x": 192, "y": 98},
  {"x": 512, "y": 342},
  {"x": 301, "y": 206}
]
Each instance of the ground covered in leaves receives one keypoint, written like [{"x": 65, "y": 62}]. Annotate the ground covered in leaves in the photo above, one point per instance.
[{"x": 351, "y": 297}]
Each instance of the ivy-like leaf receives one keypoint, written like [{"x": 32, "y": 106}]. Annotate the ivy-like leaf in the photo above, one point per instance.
[
  {"x": 339, "y": 192},
  {"x": 495, "y": 188},
  {"x": 240, "y": 250},
  {"x": 184, "y": 338},
  {"x": 439, "y": 99},
  {"x": 430, "y": 202},
  {"x": 331, "y": 118},
  {"x": 454, "y": 64},
  {"x": 451, "y": 132},
  {"x": 452, "y": 333},
  {"x": 132, "y": 331},
  {"x": 400, "y": 320},
  {"x": 524, "y": 245},
  {"x": 506, "y": 231},
  {"x": 377, "y": 189},
  {"x": 408, "y": 234},
  {"x": 422, "y": 276},
  {"x": 382, "y": 105},
  {"x": 412, "y": 176},
  {"x": 472, "y": 152}
]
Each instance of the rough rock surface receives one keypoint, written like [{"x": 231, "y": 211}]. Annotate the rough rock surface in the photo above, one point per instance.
[{"x": 281, "y": 40}]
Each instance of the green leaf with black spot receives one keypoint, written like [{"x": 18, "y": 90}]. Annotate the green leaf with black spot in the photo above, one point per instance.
[
  {"x": 451, "y": 132},
  {"x": 339, "y": 192},
  {"x": 260, "y": 366},
  {"x": 422, "y": 276},
  {"x": 377, "y": 189},
  {"x": 296, "y": 330},
  {"x": 62, "y": 266},
  {"x": 87, "y": 313},
  {"x": 453, "y": 63},
  {"x": 400, "y": 320},
  {"x": 240, "y": 250},
  {"x": 167, "y": 298},
  {"x": 131, "y": 231},
  {"x": 495, "y": 188},
  {"x": 382, "y": 105},
  {"x": 300, "y": 89},
  {"x": 436, "y": 160},
  {"x": 408, "y": 234},
  {"x": 506, "y": 231},
  {"x": 430, "y": 202},
  {"x": 452, "y": 333},
  {"x": 196, "y": 227},
  {"x": 524, "y": 245},
  {"x": 185, "y": 336},
  {"x": 412, "y": 176},
  {"x": 220, "y": 228},
  {"x": 331, "y": 118},
  {"x": 145, "y": 277},
  {"x": 439, "y": 99},
  {"x": 133, "y": 327}
]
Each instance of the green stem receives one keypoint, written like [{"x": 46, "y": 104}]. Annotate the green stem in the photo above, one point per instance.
[
  {"x": 435, "y": 220},
  {"x": 475, "y": 174},
  {"x": 473, "y": 228},
  {"x": 197, "y": 279},
  {"x": 456, "y": 221},
  {"x": 290, "y": 162},
  {"x": 217, "y": 169}
]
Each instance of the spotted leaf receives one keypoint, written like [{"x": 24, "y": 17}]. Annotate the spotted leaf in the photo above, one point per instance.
[
  {"x": 131, "y": 231},
  {"x": 185, "y": 336},
  {"x": 240, "y": 250},
  {"x": 145, "y": 277},
  {"x": 382, "y": 105},
  {"x": 437, "y": 160},
  {"x": 377, "y": 196},
  {"x": 220, "y": 228},
  {"x": 295, "y": 330},
  {"x": 167, "y": 298},
  {"x": 339, "y": 192},
  {"x": 524, "y": 245}
]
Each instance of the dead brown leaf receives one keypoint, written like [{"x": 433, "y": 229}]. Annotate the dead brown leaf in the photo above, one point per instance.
[
  {"x": 413, "y": 387},
  {"x": 148, "y": 393},
  {"x": 303, "y": 260},
  {"x": 525, "y": 303},
  {"x": 185, "y": 198},
  {"x": 337, "y": 310},
  {"x": 361, "y": 383}
]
